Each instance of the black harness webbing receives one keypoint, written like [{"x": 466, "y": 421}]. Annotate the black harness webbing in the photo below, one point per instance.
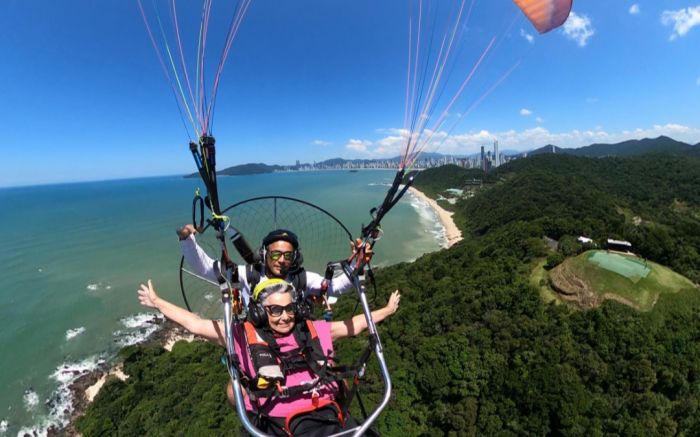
[{"x": 307, "y": 355}]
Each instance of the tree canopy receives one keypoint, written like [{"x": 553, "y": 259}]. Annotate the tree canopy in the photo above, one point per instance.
[{"x": 473, "y": 349}]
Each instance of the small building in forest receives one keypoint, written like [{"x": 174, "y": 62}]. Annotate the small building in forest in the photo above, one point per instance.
[{"x": 619, "y": 245}]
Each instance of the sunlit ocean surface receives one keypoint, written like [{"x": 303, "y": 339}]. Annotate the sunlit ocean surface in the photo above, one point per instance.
[{"x": 74, "y": 254}]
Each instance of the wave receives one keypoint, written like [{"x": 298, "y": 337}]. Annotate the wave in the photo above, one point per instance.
[
  {"x": 3, "y": 426},
  {"x": 138, "y": 328},
  {"x": 428, "y": 216},
  {"x": 31, "y": 399},
  {"x": 60, "y": 403},
  {"x": 141, "y": 319},
  {"x": 72, "y": 333},
  {"x": 98, "y": 286}
]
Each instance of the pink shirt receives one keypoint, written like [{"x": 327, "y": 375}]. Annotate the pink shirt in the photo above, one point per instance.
[{"x": 281, "y": 407}]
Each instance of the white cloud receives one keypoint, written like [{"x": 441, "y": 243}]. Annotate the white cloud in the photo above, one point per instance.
[
  {"x": 390, "y": 145},
  {"x": 527, "y": 36},
  {"x": 358, "y": 145},
  {"x": 470, "y": 142},
  {"x": 525, "y": 112},
  {"x": 578, "y": 28},
  {"x": 539, "y": 119},
  {"x": 634, "y": 9},
  {"x": 682, "y": 20},
  {"x": 321, "y": 143}
]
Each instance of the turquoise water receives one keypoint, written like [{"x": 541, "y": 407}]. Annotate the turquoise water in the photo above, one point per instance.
[{"x": 74, "y": 255}]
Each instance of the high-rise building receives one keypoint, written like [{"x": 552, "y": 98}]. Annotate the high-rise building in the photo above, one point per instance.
[
  {"x": 483, "y": 159},
  {"x": 496, "y": 156}
]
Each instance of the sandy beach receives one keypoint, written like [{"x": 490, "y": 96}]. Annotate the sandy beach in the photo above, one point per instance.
[
  {"x": 86, "y": 388},
  {"x": 95, "y": 388},
  {"x": 452, "y": 232}
]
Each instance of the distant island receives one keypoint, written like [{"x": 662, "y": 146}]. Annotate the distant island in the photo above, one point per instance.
[{"x": 486, "y": 160}]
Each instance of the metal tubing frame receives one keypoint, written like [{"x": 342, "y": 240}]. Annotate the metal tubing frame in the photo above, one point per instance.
[
  {"x": 378, "y": 350},
  {"x": 233, "y": 371}
]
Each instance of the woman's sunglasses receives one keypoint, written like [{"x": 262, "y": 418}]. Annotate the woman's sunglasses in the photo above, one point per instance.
[
  {"x": 277, "y": 254},
  {"x": 277, "y": 310}
]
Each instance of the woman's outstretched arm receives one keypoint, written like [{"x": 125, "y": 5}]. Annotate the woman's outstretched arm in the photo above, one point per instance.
[
  {"x": 212, "y": 330},
  {"x": 357, "y": 324}
]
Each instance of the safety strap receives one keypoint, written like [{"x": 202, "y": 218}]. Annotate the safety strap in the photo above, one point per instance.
[{"x": 307, "y": 355}]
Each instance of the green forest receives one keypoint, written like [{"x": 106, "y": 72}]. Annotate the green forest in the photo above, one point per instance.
[{"x": 474, "y": 350}]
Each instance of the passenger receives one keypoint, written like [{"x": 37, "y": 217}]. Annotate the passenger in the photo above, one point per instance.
[
  {"x": 280, "y": 257},
  {"x": 269, "y": 349}
]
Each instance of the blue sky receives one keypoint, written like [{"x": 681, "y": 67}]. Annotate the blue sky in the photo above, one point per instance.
[{"x": 84, "y": 97}]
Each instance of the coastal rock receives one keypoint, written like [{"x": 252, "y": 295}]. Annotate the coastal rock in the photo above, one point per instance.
[{"x": 86, "y": 386}]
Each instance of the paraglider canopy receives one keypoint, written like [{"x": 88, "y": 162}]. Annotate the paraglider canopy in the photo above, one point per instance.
[{"x": 545, "y": 15}]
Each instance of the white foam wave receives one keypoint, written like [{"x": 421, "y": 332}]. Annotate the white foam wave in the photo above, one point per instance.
[
  {"x": 124, "y": 339},
  {"x": 138, "y": 328},
  {"x": 429, "y": 218},
  {"x": 423, "y": 209},
  {"x": 60, "y": 403},
  {"x": 98, "y": 286},
  {"x": 69, "y": 372},
  {"x": 31, "y": 399},
  {"x": 72, "y": 333},
  {"x": 3, "y": 426},
  {"x": 141, "y": 319},
  {"x": 40, "y": 430}
]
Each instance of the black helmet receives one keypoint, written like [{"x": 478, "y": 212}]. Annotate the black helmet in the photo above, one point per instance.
[{"x": 281, "y": 235}]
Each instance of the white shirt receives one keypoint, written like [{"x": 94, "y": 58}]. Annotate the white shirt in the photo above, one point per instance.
[{"x": 203, "y": 265}]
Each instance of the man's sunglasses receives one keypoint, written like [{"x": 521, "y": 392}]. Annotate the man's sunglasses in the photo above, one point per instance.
[
  {"x": 277, "y": 254},
  {"x": 277, "y": 310}
]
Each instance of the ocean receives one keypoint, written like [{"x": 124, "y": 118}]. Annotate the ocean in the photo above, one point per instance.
[{"x": 74, "y": 254}]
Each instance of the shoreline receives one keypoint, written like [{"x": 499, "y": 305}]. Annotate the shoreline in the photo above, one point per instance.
[
  {"x": 452, "y": 232},
  {"x": 86, "y": 388}
]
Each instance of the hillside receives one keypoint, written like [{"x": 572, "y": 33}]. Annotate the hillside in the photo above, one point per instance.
[
  {"x": 596, "y": 275},
  {"x": 243, "y": 169},
  {"x": 434, "y": 181},
  {"x": 628, "y": 148},
  {"x": 246, "y": 169},
  {"x": 473, "y": 349},
  {"x": 661, "y": 144}
]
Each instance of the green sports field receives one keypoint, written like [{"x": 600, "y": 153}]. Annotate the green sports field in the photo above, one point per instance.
[{"x": 625, "y": 278}]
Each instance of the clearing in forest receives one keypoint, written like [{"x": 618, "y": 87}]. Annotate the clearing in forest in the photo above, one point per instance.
[{"x": 596, "y": 275}]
